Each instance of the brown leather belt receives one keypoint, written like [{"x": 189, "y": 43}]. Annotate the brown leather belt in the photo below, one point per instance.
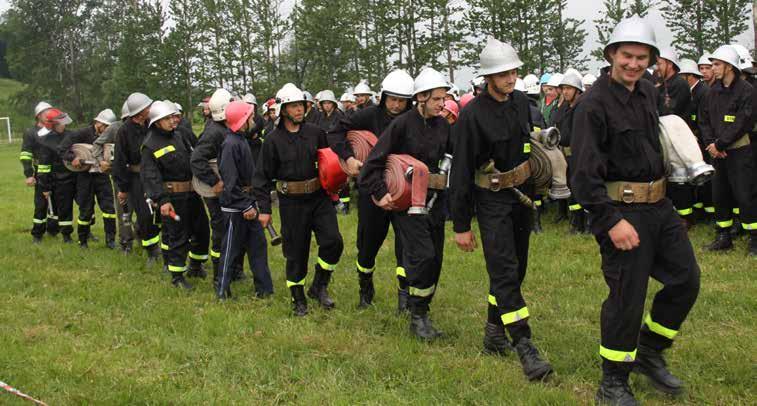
[
  {"x": 498, "y": 181},
  {"x": 437, "y": 181},
  {"x": 741, "y": 142},
  {"x": 636, "y": 192},
  {"x": 298, "y": 187},
  {"x": 178, "y": 187},
  {"x": 135, "y": 168}
]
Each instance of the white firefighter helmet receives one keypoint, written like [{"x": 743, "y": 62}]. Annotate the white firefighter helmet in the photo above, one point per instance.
[
  {"x": 555, "y": 80},
  {"x": 172, "y": 105},
  {"x": 136, "y": 102},
  {"x": 249, "y": 98},
  {"x": 347, "y": 97},
  {"x": 688, "y": 66},
  {"x": 745, "y": 59},
  {"x": 588, "y": 80},
  {"x": 497, "y": 57},
  {"x": 429, "y": 79},
  {"x": 362, "y": 88},
  {"x": 532, "y": 84},
  {"x": 398, "y": 83},
  {"x": 41, "y": 107},
  {"x": 106, "y": 117},
  {"x": 159, "y": 110},
  {"x": 124, "y": 111},
  {"x": 178, "y": 107},
  {"x": 289, "y": 93},
  {"x": 705, "y": 59},
  {"x": 520, "y": 85},
  {"x": 727, "y": 54},
  {"x": 477, "y": 82},
  {"x": 572, "y": 80},
  {"x": 573, "y": 71},
  {"x": 670, "y": 55},
  {"x": 217, "y": 104},
  {"x": 636, "y": 30},
  {"x": 454, "y": 91},
  {"x": 327, "y": 96},
  {"x": 308, "y": 97}
]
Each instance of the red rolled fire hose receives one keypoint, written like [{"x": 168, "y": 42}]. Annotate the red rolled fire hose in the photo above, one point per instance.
[
  {"x": 362, "y": 142},
  {"x": 330, "y": 172},
  {"x": 406, "y": 193}
]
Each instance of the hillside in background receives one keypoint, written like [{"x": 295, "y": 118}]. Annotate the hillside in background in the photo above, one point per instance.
[{"x": 19, "y": 118}]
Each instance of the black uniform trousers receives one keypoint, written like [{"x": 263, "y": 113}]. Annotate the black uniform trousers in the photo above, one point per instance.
[
  {"x": 372, "y": 228},
  {"x": 734, "y": 186},
  {"x": 423, "y": 254},
  {"x": 188, "y": 237},
  {"x": 245, "y": 237},
  {"x": 683, "y": 197},
  {"x": 64, "y": 190},
  {"x": 505, "y": 228},
  {"x": 300, "y": 217},
  {"x": 148, "y": 223},
  {"x": 216, "y": 227},
  {"x": 665, "y": 254},
  {"x": 42, "y": 221},
  {"x": 91, "y": 186}
]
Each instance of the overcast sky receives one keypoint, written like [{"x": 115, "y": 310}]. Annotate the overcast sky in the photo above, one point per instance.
[{"x": 580, "y": 9}]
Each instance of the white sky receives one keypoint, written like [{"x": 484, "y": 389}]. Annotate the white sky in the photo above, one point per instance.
[{"x": 587, "y": 10}]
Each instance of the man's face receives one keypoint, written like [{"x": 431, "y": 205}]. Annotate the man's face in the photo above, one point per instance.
[
  {"x": 175, "y": 119},
  {"x": 720, "y": 69},
  {"x": 295, "y": 112},
  {"x": 99, "y": 127},
  {"x": 629, "y": 61},
  {"x": 433, "y": 104},
  {"x": 502, "y": 83},
  {"x": 449, "y": 97},
  {"x": 348, "y": 105},
  {"x": 569, "y": 93},
  {"x": 206, "y": 111},
  {"x": 706, "y": 71},
  {"x": 663, "y": 67},
  {"x": 361, "y": 99},
  {"x": 59, "y": 128},
  {"x": 395, "y": 105},
  {"x": 328, "y": 107},
  {"x": 142, "y": 116}
]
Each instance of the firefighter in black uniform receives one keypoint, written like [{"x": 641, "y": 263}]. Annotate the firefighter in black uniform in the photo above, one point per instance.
[
  {"x": 207, "y": 148},
  {"x": 244, "y": 235},
  {"x": 363, "y": 96},
  {"x": 54, "y": 178},
  {"x": 167, "y": 179},
  {"x": 42, "y": 221},
  {"x": 493, "y": 135},
  {"x": 92, "y": 184},
  {"x": 312, "y": 114},
  {"x": 726, "y": 121},
  {"x": 423, "y": 134},
  {"x": 331, "y": 113},
  {"x": 373, "y": 223},
  {"x": 288, "y": 162},
  {"x": 571, "y": 88},
  {"x": 620, "y": 179},
  {"x": 699, "y": 89},
  {"x": 675, "y": 98}
]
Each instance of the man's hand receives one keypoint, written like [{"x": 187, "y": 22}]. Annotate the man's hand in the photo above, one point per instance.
[
  {"x": 122, "y": 197},
  {"x": 465, "y": 241},
  {"x": 105, "y": 166},
  {"x": 30, "y": 181},
  {"x": 76, "y": 163},
  {"x": 353, "y": 166},
  {"x": 46, "y": 194},
  {"x": 264, "y": 219},
  {"x": 218, "y": 187},
  {"x": 713, "y": 151},
  {"x": 624, "y": 236},
  {"x": 386, "y": 202},
  {"x": 250, "y": 214},
  {"x": 166, "y": 209}
]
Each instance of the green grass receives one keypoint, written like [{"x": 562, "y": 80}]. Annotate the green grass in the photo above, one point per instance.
[
  {"x": 96, "y": 327},
  {"x": 19, "y": 119}
]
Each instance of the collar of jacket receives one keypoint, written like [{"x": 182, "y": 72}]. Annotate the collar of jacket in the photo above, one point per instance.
[{"x": 622, "y": 93}]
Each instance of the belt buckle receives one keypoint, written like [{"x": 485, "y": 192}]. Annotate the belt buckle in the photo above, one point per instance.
[
  {"x": 628, "y": 195},
  {"x": 284, "y": 187},
  {"x": 307, "y": 188},
  {"x": 495, "y": 186}
]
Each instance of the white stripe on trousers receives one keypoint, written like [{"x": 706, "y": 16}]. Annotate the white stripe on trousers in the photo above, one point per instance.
[{"x": 229, "y": 231}]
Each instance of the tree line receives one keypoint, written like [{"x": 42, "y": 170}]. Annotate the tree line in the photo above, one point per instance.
[{"x": 85, "y": 54}]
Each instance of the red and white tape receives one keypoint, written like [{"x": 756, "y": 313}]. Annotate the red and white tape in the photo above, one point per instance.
[{"x": 20, "y": 394}]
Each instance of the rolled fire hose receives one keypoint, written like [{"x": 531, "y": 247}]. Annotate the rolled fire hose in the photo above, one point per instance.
[
  {"x": 541, "y": 167},
  {"x": 84, "y": 153},
  {"x": 683, "y": 158},
  {"x": 551, "y": 179},
  {"x": 361, "y": 142},
  {"x": 201, "y": 188},
  {"x": 407, "y": 194},
  {"x": 330, "y": 172},
  {"x": 549, "y": 137}
]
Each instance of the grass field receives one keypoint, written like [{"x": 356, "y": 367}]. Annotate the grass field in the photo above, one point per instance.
[{"x": 97, "y": 327}]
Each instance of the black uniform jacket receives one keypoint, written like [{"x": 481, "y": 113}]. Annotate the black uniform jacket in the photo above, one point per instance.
[
  {"x": 207, "y": 148},
  {"x": 51, "y": 166},
  {"x": 129, "y": 141},
  {"x": 726, "y": 113},
  {"x": 165, "y": 158}
]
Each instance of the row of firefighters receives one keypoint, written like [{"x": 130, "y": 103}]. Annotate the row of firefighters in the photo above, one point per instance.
[{"x": 420, "y": 154}]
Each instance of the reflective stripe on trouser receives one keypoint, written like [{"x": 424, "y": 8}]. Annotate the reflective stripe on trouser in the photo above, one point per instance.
[
  {"x": 64, "y": 189},
  {"x": 423, "y": 254},
  {"x": 181, "y": 237},
  {"x": 734, "y": 186},
  {"x": 670, "y": 258},
  {"x": 683, "y": 198},
  {"x": 372, "y": 228},
  {"x": 41, "y": 220},
  {"x": 300, "y": 218},
  {"x": 505, "y": 227},
  {"x": 148, "y": 228},
  {"x": 245, "y": 237},
  {"x": 217, "y": 225},
  {"x": 363, "y": 269}
]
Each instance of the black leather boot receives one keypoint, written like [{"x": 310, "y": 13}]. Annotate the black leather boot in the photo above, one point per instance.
[
  {"x": 110, "y": 241},
  {"x": 402, "y": 295},
  {"x": 577, "y": 222},
  {"x": 319, "y": 289},
  {"x": 366, "y": 289},
  {"x": 536, "y": 226},
  {"x": 534, "y": 366},
  {"x": 178, "y": 280},
  {"x": 495, "y": 340},
  {"x": 154, "y": 255},
  {"x": 196, "y": 270},
  {"x": 299, "y": 302},
  {"x": 615, "y": 391},
  {"x": 723, "y": 241},
  {"x": 650, "y": 362},
  {"x": 562, "y": 211},
  {"x": 422, "y": 327}
]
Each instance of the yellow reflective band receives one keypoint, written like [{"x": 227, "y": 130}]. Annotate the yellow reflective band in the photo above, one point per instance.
[
  {"x": 38, "y": 221},
  {"x": 574, "y": 207},
  {"x": 44, "y": 168},
  {"x": 729, "y": 119},
  {"x": 151, "y": 241},
  {"x": 401, "y": 272},
  {"x": 724, "y": 224},
  {"x": 709, "y": 210},
  {"x": 617, "y": 356},
  {"x": 174, "y": 268},
  {"x": 198, "y": 257},
  {"x": 537, "y": 129},
  {"x": 698, "y": 205},
  {"x": 736, "y": 210},
  {"x": 52, "y": 217},
  {"x": 527, "y": 148},
  {"x": 492, "y": 300},
  {"x": 164, "y": 247},
  {"x": 363, "y": 269},
  {"x": 25, "y": 156},
  {"x": 300, "y": 283},
  {"x": 82, "y": 222},
  {"x": 65, "y": 223},
  {"x": 659, "y": 328},
  {"x": 325, "y": 265},
  {"x": 693, "y": 117},
  {"x": 159, "y": 153},
  {"x": 512, "y": 317},
  {"x": 537, "y": 203},
  {"x": 422, "y": 292},
  {"x": 215, "y": 254},
  {"x": 686, "y": 212},
  {"x": 750, "y": 226},
  {"x": 109, "y": 215},
  {"x": 344, "y": 199}
]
